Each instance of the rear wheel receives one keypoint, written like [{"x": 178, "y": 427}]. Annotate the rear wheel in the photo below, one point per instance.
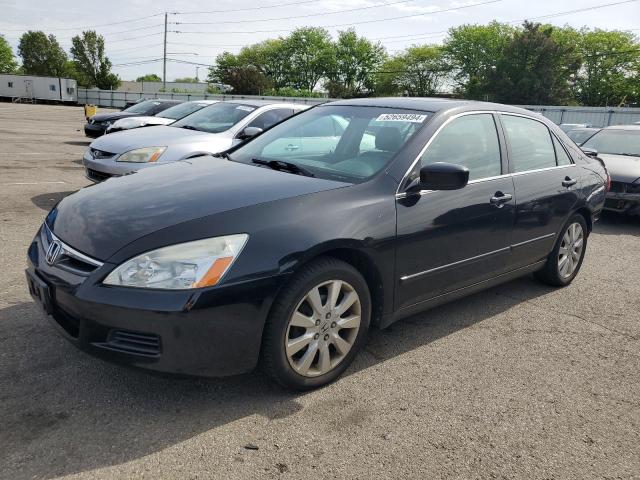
[
  {"x": 317, "y": 325},
  {"x": 564, "y": 262}
]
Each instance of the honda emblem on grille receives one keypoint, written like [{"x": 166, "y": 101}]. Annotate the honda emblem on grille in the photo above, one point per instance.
[{"x": 53, "y": 252}]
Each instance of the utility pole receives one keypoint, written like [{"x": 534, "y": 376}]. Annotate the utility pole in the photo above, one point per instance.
[{"x": 164, "y": 59}]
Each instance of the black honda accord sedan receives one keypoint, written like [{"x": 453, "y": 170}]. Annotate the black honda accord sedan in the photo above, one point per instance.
[{"x": 286, "y": 250}]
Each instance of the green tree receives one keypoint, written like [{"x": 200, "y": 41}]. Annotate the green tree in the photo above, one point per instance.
[
  {"x": 7, "y": 61},
  {"x": 473, "y": 52},
  {"x": 186, "y": 80},
  {"x": 311, "y": 54},
  {"x": 355, "y": 64},
  {"x": 610, "y": 73},
  {"x": 149, "y": 77},
  {"x": 420, "y": 71},
  {"x": 93, "y": 67},
  {"x": 41, "y": 54},
  {"x": 535, "y": 69}
]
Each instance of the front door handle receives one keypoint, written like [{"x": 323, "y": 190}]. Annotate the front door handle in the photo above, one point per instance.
[
  {"x": 569, "y": 182},
  {"x": 499, "y": 199}
]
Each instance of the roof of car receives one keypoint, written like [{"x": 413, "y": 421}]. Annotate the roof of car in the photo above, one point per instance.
[
  {"x": 429, "y": 104},
  {"x": 623, "y": 127},
  {"x": 264, "y": 103}
]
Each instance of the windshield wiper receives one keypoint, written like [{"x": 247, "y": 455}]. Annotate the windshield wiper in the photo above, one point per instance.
[
  {"x": 222, "y": 155},
  {"x": 629, "y": 154},
  {"x": 283, "y": 166},
  {"x": 189, "y": 127}
]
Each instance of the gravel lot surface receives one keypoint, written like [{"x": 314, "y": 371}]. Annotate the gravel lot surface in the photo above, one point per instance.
[{"x": 520, "y": 381}]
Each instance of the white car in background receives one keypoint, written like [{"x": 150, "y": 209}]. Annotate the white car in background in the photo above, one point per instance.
[
  {"x": 165, "y": 117},
  {"x": 213, "y": 129}
]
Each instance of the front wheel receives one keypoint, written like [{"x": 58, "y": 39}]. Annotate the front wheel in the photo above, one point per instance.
[
  {"x": 564, "y": 262},
  {"x": 317, "y": 325}
]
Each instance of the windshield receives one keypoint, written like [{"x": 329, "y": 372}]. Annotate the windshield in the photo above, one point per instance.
[
  {"x": 216, "y": 118},
  {"x": 344, "y": 143},
  {"x": 616, "y": 142},
  {"x": 581, "y": 135},
  {"x": 143, "y": 107},
  {"x": 181, "y": 110}
]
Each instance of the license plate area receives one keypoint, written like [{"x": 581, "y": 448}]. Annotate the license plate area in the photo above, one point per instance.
[{"x": 39, "y": 291}]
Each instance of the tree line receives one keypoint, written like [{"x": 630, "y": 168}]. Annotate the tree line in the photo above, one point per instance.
[
  {"x": 527, "y": 64},
  {"x": 42, "y": 55}
]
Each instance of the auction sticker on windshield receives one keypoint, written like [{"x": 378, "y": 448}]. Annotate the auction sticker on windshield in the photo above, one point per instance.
[
  {"x": 245, "y": 108},
  {"x": 401, "y": 117}
]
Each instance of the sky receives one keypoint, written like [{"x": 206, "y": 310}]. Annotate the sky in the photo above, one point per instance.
[{"x": 198, "y": 30}]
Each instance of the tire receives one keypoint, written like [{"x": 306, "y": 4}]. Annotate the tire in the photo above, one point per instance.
[
  {"x": 294, "y": 322},
  {"x": 555, "y": 272}
]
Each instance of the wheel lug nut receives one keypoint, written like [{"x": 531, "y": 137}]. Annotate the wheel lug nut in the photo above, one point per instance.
[
  {"x": 333, "y": 325},
  {"x": 317, "y": 323},
  {"x": 316, "y": 336},
  {"x": 326, "y": 337}
]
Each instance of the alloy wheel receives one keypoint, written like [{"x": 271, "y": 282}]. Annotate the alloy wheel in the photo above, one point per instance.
[
  {"x": 323, "y": 328},
  {"x": 570, "y": 250}
]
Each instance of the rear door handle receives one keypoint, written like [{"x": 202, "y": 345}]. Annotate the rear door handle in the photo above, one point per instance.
[
  {"x": 499, "y": 199},
  {"x": 569, "y": 182}
]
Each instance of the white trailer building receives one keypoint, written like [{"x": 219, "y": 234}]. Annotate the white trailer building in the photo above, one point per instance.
[{"x": 33, "y": 88}]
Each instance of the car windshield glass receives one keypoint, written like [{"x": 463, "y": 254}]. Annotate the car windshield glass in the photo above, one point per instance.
[
  {"x": 181, "y": 110},
  {"x": 344, "y": 143},
  {"x": 216, "y": 118},
  {"x": 581, "y": 135},
  {"x": 143, "y": 107},
  {"x": 617, "y": 142}
]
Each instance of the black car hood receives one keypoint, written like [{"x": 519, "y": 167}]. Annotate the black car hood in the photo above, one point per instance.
[
  {"x": 622, "y": 168},
  {"x": 101, "y": 219},
  {"x": 103, "y": 117}
]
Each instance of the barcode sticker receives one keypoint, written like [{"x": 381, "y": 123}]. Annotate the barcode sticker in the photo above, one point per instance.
[{"x": 401, "y": 117}]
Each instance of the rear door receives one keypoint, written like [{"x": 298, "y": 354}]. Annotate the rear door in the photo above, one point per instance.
[{"x": 546, "y": 185}]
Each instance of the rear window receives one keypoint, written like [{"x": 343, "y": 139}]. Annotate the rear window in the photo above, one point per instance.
[{"x": 616, "y": 142}]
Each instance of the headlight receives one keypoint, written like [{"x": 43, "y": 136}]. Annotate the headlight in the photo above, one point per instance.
[
  {"x": 187, "y": 265},
  {"x": 142, "y": 155}
]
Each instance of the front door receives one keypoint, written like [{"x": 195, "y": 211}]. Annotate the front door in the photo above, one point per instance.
[{"x": 448, "y": 240}]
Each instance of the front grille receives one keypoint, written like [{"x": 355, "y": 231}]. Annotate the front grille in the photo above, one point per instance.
[
  {"x": 147, "y": 344},
  {"x": 69, "y": 259},
  {"x": 100, "y": 154},
  {"x": 618, "y": 187},
  {"x": 97, "y": 176}
]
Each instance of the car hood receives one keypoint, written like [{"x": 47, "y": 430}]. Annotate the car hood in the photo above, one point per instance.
[
  {"x": 121, "y": 142},
  {"x": 622, "y": 168},
  {"x": 103, "y": 117},
  {"x": 101, "y": 219},
  {"x": 134, "y": 122}
]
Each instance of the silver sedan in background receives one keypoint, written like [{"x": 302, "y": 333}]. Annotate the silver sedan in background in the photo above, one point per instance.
[{"x": 213, "y": 129}]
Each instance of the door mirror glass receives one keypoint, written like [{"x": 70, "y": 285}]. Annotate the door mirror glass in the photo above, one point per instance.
[
  {"x": 249, "y": 132},
  {"x": 443, "y": 176}
]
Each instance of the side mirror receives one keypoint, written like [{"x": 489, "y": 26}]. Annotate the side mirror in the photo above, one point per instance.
[
  {"x": 249, "y": 132},
  {"x": 590, "y": 152},
  {"x": 443, "y": 176}
]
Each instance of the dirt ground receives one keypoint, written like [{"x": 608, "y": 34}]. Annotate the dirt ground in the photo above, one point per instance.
[{"x": 521, "y": 381}]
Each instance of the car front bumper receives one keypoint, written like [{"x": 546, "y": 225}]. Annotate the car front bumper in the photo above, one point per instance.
[
  {"x": 94, "y": 130},
  {"x": 624, "y": 198},
  {"x": 205, "y": 332},
  {"x": 98, "y": 170}
]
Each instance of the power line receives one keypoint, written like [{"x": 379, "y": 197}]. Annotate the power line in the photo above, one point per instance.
[
  {"x": 445, "y": 10},
  {"x": 88, "y": 27},
  {"x": 249, "y": 8},
  {"x": 379, "y": 5}
]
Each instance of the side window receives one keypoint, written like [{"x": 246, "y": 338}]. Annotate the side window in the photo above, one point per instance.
[
  {"x": 530, "y": 143},
  {"x": 472, "y": 141},
  {"x": 10, "y": 84},
  {"x": 52, "y": 88},
  {"x": 561, "y": 154},
  {"x": 270, "y": 117}
]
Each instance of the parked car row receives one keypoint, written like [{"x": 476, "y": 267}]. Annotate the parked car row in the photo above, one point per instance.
[{"x": 309, "y": 226}]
